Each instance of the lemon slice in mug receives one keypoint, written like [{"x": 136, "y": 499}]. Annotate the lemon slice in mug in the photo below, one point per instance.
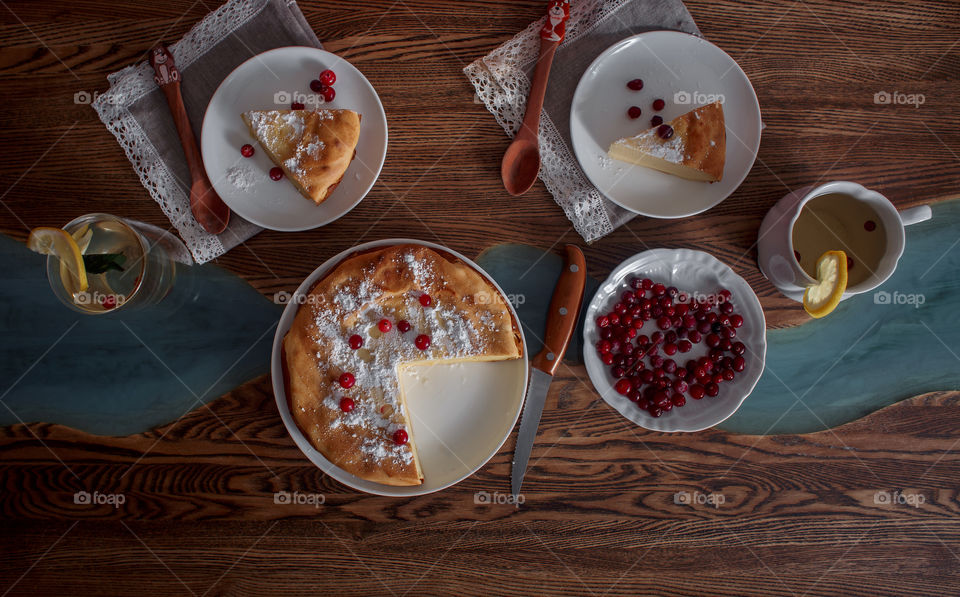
[
  {"x": 57, "y": 242},
  {"x": 823, "y": 297}
]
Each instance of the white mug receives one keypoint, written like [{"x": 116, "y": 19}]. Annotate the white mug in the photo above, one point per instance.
[{"x": 776, "y": 255}]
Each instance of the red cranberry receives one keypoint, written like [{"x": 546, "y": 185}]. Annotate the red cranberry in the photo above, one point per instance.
[
  {"x": 638, "y": 323},
  {"x": 646, "y": 283},
  {"x": 678, "y": 400},
  {"x": 316, "y": 86},
  {"x": 276, "y": 173},
  {"x": 347, "y": 380},
  {"x": 606, "y": 333},
  {"x": 400, "y": 437},
  {"x": 356, "y": 341},
  {"x": 736, "y": 320},
  {"x": 665, "y": 131},
  {"x": 634, "y": 396},
  {"x": 656, "y": 121},
  {"x": 739, "y": 364},
  {"x": 328, "y": 77},
  {"x": 684, "y": 346},
  {"x": 726, "y": 308},
  {"x": 603, "y": 321},
  {"x": 718, "y": 378},
  {"x": 634, "y": 112},
  {"x": 329, "y": 94},
  {"x": 384, "y": 325},
  {"x": 738, "y": 348},
  {"x": 247, "y": 150},
  {"x": 623, "y": 386},
  {"x": 655, "y": 411},
  {"x": 712, "y": 389},
  {"x": 404, "y": 326},
  {"x": 869, "y": 225},
  {"x": 713, "y": 340},
  {"x": 646, "y": 376},
  {"x": 664, "y": 323},
  {"x": 659, "y": 289},
  {"x": 670, "y": 349},
  {"x": 635, "y": 84},
  {"x": 669, "y": 365},
  {"x": 658, "y": 104},
  {"x": 425, "y": 300},
  {"x": 422, "y": 341},
  {"x": 607, "y": 358},
  {"x": 346, "y": 404},
  {"x": 696, "y": 391},
  {"x": 636, "y": 283},
  {"x": 680, "y": 385}
]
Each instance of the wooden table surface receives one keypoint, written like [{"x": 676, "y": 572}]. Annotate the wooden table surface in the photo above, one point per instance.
[{"x": 799, "y": 515}]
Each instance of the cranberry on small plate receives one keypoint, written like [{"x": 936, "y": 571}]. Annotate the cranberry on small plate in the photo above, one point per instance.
[
  {"x": 683, "y": 72},
  {"x": 275, "y": 80},
  {"x": 462, "y": 412},
  {"x": 698, "y": 329}
]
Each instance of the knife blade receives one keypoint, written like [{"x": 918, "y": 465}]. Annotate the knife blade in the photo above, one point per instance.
[{"x": 561, "y": 322}]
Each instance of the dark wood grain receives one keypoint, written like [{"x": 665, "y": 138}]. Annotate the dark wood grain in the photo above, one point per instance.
[{"x": 800, "y": 514}]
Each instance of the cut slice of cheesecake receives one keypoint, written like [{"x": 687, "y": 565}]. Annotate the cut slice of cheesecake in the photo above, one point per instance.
[
  {"x": 313, "y": 147},
  {"x": 691, "y": 146}
]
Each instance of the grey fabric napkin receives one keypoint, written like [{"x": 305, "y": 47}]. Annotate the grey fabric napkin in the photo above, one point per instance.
[
  {"x": 502, "y": 81},
  {"x": 135, "y": 110}
]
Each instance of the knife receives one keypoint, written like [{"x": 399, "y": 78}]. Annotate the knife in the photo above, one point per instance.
[{"x": 561, "y": 323}]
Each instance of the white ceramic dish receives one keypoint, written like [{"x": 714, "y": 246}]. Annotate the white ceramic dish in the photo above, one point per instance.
[
  {"x": 461, "y": 413},
  {"x": 271, "y": 81},
  {"x": 686, "y": 72},
  {"x": 690, "y": 271}
]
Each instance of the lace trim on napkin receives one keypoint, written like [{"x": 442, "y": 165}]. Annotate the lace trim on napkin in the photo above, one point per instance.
[
  {"x": 502, "y": 85},
  {"x": 132, "y": 83}
]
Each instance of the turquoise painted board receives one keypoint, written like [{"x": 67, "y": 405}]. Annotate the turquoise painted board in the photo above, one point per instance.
[{"x": 119, "y": 374}]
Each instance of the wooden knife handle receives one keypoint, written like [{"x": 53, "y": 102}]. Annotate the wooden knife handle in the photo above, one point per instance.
[
  {"x": 564, "y": 311},
  {"x": 167, "y": 77}
]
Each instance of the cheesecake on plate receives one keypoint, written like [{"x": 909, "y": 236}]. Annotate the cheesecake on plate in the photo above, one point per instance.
[{"x": 691, "y": 146}]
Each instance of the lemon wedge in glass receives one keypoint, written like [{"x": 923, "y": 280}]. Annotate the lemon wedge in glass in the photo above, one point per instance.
[
  {"x": 823, "y": 297},
  {"x": 57, "y": 242}
]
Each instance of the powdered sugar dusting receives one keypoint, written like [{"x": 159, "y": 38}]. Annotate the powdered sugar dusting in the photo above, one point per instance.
[
  {"x": 242, "y": 176},
  {"x": 355, "y": 309}
]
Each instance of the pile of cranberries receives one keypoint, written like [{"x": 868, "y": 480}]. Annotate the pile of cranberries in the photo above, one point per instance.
[
  {"x": 642, "y": 366},
  {"x": 347, "y": 379},
  {"x": 634, "y": 112}
]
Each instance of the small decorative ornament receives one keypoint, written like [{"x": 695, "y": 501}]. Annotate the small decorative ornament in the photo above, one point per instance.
[{"x": 556, "y": 26}]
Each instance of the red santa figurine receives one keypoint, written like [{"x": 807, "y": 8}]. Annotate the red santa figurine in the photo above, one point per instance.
[{"x": 557, "y": 14}]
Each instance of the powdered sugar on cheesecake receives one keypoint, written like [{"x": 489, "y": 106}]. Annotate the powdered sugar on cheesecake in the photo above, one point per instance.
[{"x": 355, "y": 309}]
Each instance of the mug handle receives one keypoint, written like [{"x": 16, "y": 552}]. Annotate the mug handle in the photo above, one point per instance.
[{"x": 915, "y": 215}]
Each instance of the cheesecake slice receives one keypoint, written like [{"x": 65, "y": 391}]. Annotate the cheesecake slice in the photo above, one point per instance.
[
  {"x": 312, "y": 147},
  {"x": 691, "y": 146}
]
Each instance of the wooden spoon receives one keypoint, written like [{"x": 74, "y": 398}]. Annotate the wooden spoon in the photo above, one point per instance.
[
  {"x": 207, "y": 207},
  {"x": 521, "y": 162}
]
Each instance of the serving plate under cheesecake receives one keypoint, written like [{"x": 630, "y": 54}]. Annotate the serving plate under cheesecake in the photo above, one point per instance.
[{"x": 461, "y": 413}]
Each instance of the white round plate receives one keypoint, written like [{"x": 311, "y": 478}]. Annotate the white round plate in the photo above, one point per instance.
[
  {"x": 691, "y": 272},
  {"x": 461, "y": 413},
  {"x": 271, "y": 81},
  {"x": 686, "y": 72}
]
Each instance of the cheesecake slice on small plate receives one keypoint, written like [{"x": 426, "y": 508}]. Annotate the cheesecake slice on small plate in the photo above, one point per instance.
[{"x": 691, "y": 146}]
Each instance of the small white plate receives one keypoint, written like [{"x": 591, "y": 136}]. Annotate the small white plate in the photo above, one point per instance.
[
  {"x": 690, "y": 271},
  {"x": 461, "y": 413},
  {"x": 686, "y": 72},
  {"x": 271, "y": 81}
]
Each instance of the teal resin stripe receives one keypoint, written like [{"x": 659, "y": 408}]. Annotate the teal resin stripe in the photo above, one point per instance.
[
  {"x": 125, "y": 373},
  {"x": 874, "y": 350}
]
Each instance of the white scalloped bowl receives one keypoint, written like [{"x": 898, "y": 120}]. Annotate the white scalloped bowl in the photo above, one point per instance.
[{"x": 690, "y": 271}]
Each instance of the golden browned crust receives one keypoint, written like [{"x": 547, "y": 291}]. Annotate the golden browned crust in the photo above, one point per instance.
[
  {"x": 468, "y": 320},
  {"x": 696, "y": 150},
  {"x": 313, "y": 147}
]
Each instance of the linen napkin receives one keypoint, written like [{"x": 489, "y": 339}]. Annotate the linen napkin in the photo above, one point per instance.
[
  {"x": 135, "y": 110},
  {"x": 502, "y": 81}
]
